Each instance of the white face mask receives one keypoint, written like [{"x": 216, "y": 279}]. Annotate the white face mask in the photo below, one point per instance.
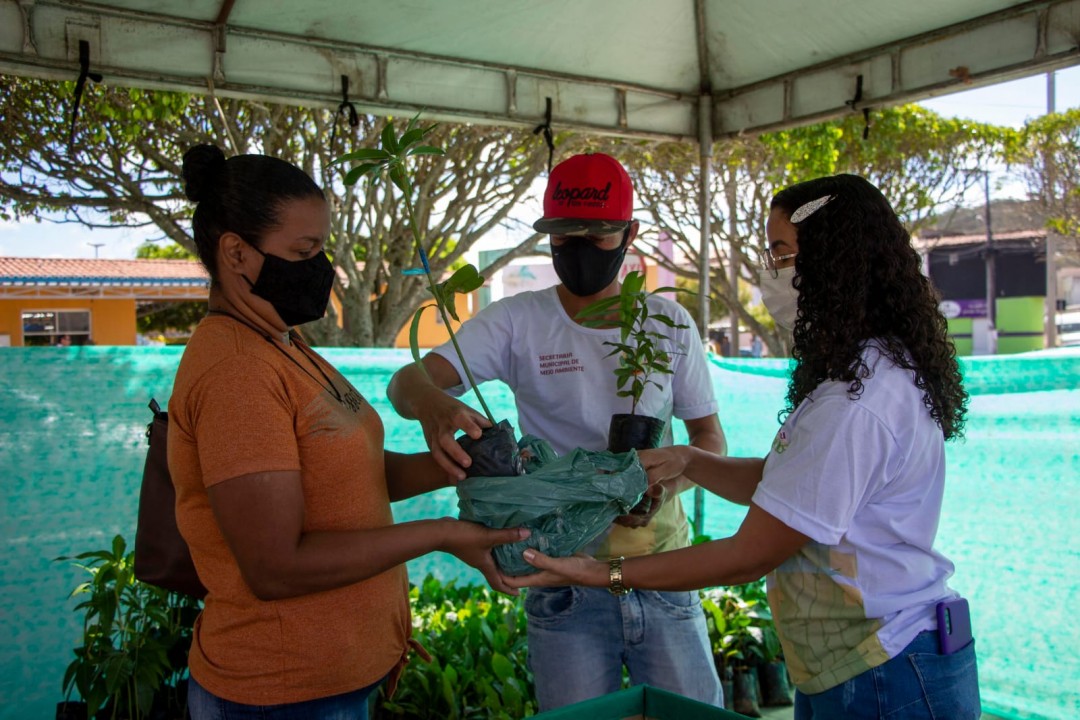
[{"x": 780, "y": 296}]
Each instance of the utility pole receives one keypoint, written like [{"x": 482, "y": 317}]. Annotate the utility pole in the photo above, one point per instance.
[
  {"x": 731, "y": 193},
  {"x": 705, "y": 143},
  {"x": 991, "y": 290},
  {"x": 95, "y": 246},
  {"x": 1051, "y": 241}
]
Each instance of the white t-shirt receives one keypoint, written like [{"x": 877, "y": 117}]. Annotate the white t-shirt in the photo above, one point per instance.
[
  {"x": 564, "y": 388},
  {"x": 863, "y": 479}
]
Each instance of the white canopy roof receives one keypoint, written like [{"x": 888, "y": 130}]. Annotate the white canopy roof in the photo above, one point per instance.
[{"x": 627, "y": 67}]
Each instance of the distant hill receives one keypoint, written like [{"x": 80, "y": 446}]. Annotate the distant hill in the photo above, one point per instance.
[{"x": 1005, "y": 216}]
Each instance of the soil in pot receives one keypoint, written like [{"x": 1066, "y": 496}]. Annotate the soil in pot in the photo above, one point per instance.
[
  {"x": 70, "y": 710},
  {"x": 635, "y": 432},
  {"x": 495, "y": 453}
]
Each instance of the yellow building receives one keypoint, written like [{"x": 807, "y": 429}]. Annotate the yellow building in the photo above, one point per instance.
[{"x": 51, "y": 301}]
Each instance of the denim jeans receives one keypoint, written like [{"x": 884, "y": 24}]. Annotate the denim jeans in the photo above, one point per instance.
[
  {"x": 203, "y": 705},
  {"x": 917, "y": 684},
  {"x": 580, "y": 639}
]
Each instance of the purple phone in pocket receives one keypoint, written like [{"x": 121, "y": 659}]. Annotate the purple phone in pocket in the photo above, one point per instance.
[{"x": 954, "y": 625}]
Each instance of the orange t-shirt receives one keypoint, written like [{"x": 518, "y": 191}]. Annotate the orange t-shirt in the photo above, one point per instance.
[{"x": 240, "y": 406}]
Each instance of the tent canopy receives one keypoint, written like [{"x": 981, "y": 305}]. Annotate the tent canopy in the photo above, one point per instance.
[{"x": 687, "y": 69}]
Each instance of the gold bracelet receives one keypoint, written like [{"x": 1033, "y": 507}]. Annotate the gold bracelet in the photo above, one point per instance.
[{"x": 615, "y": 583}]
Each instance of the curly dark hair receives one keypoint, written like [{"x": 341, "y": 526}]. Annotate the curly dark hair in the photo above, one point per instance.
[{"x": 859, "y": 278}]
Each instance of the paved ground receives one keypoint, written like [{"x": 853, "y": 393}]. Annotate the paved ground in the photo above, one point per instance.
[{"x": 787, "y": 713}]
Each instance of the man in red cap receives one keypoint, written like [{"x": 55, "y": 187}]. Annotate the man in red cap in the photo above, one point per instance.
[{"x": 580, "y": 639}]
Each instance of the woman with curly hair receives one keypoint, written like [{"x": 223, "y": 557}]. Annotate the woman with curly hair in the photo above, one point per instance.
[{"x": 844, "y": 509}]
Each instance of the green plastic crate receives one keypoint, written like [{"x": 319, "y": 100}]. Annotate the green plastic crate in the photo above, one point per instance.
[{"x": 640, "y": 702}]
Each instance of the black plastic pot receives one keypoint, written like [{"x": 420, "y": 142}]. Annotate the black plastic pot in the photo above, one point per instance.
[
  {"x": 746, "y": 693},
  {"x": 775, "y": 689},
  {"x": 70, "y": 710},
  {"x": 727, "y": 683},
  {"x": 495, "y": 453},
  {"x": 635, "y": 432}
]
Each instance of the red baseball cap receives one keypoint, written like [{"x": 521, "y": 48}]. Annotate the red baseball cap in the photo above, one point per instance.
[{"x": 587, "y": 195}]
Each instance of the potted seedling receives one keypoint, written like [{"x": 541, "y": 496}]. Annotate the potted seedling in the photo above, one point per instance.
[
  {"x": 643, "y": 359},
  {"x": 495, "y": 453},
  {"x": 132, "y": 662}
]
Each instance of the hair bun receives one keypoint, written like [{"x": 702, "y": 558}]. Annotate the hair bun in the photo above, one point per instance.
[{"x": 203, "y": 169}]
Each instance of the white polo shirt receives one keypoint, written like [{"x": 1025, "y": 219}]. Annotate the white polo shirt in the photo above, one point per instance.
[{"x": 563, "y": 378}]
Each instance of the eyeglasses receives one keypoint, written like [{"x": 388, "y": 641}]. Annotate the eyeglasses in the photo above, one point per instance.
[{"x": 774, "y": 264}]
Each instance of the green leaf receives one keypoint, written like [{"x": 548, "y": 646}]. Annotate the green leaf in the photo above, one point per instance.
[
  {"x": 600, "y": 306},
  {"x": 502, "y": 667},
  {"x": 665, "y": 320},
  {"x": 633, "y": 282},
  {"x": 449, "y": 304},
  {"x": 397, "y": 175},
  {"x": 360, "y": 171},
  {"x": 362, "y": 154},
  {"x": 414, "y": 332},
  {"x": 512, "y": 696},
  {"x": 669, "y": 289},
  {"x": 464, "y": 280},
  {"x": 412, "y": 135},
  {"x": 389, "y": 140},
  {"x": 426, "y": 150}
]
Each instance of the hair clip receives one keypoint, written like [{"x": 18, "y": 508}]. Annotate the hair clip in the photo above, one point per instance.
[{"x": 805, "y": 211}]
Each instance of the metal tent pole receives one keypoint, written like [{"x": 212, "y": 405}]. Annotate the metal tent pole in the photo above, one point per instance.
[
  {"x": 1051, "y": 240},
  {"x": 705, "y": 201}
]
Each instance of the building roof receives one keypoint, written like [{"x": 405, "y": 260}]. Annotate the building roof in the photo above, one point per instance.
[
  {"x": 925, "y": 243},
  {"x": 71, "y": 272}
]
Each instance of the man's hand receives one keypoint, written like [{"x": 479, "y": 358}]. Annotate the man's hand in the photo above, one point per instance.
[
  {"x": 417, "y": 392},
  {"x": 441, "y": 418},
  {"x": 643, "y": 513},
  {"x": 664, "y": 467}
]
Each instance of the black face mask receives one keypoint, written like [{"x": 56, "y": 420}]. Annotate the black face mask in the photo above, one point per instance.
[
  {"x": 299, "y": 290},
  {"x": 584, "y": 268}
]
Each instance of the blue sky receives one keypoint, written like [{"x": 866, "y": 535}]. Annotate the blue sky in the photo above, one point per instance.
[{"x": 1003, "y": 104}]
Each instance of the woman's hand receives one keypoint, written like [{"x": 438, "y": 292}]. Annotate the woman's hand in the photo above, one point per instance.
[
  {"x": 472, "y": 543},
  {"x": 554, "y": 572},
  {"x": 665, "y": 465}
]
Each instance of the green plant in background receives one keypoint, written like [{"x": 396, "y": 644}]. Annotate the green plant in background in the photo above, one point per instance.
[
  {"x": 391, "y": 159},
  {"x": 135, "y": 639},
  {"x": 477, "y": 640},
  {"x": 740, "y": 624},
  {"x": 641, "y": 355}
]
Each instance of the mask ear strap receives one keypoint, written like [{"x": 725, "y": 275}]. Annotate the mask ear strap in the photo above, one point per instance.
[
  {"x": 256, "y": 249},
  {"x": 252, "y": 245}
]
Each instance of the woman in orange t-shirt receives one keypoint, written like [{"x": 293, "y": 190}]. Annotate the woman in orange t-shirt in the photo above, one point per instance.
[{"x": 283, "y": 485}]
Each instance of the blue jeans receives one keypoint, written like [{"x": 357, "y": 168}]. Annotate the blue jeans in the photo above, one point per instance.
[
  {"x": 204, "y": 705},
  {"x": 580, "y": 638},
  {"x": 917, "y": 684}
]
